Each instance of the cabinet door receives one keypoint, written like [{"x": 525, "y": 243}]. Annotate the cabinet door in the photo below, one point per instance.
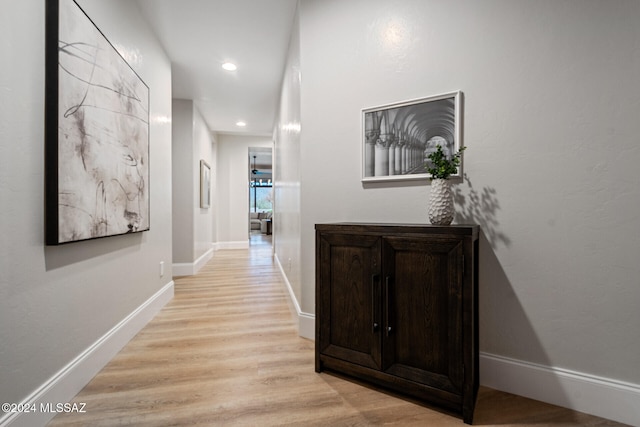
[
  {"x": 349, "y": 298},
  {"x": 422, "y": 310}
]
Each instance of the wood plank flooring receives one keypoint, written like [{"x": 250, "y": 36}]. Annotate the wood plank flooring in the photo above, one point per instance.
[{"x": 225, "y": 352}]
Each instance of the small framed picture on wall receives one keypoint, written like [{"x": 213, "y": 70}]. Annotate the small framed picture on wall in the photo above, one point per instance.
[{"x": 205, "y": 185}]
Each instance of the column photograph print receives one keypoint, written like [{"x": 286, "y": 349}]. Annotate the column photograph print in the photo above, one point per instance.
[{"x": 398, "y": 138}]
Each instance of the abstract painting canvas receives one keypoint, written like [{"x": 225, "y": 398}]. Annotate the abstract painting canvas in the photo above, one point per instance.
[{"x": 97, "y": 133}]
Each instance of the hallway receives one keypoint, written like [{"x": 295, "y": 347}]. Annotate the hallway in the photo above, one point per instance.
[{"x": 225, "y": 352}]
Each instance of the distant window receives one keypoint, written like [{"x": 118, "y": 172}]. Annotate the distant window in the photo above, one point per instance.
[{"x": 261, "y": 197}]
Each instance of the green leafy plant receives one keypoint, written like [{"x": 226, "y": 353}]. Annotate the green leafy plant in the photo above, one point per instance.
[{"x": 443, "y": 167}]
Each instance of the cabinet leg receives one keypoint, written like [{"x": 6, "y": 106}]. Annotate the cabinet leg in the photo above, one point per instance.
[{"x": 467, "y": 416}]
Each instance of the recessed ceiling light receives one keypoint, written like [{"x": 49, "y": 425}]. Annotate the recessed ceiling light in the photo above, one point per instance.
[
  {"x": 229, "y": 66},
  {"x": 241, "y": 124}
]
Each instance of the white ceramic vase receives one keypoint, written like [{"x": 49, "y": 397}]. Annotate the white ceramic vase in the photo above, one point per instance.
[{"x": 441, "y": 202}]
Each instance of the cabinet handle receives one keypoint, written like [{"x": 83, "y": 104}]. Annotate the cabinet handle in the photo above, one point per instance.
[
  {"x": 374, "y": 302},
  {"x": 387, "y": 297}
]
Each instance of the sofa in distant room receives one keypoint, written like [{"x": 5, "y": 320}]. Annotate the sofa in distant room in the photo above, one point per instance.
[{"x": 258, "y": 220}]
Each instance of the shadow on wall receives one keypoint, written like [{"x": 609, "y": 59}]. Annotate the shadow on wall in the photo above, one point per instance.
[
  {"x": 506, "y": 330},
  {"x": 111, "y": 247},
  {"x": 480, "y": 208}
]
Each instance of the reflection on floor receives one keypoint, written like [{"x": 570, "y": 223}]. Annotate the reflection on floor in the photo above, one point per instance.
[{"x": 257, "y": 238}]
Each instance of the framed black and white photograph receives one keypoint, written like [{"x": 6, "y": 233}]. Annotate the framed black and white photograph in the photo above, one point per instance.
[
  {"x": 96, "y": 133},
  {"x": 398, "y": 138},
  {"x": 205, "y": 185}
]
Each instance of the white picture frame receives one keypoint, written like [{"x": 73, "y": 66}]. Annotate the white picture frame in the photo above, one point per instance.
[
  {"x": 398, "y": 137},
  {"x": 205, "y": 185}
]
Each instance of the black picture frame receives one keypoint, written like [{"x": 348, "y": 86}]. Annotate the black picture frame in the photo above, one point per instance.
[{"x": 96, "y": 133}]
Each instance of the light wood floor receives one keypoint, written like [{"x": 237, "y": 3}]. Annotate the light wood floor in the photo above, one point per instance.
[{"x": 225, "y": 352}]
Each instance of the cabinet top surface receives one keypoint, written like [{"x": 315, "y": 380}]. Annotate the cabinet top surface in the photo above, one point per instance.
[{"x": 464, "y": 229}]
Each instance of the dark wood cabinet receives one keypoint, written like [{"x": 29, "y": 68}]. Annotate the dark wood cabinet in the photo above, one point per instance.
[{"x": 396, "y": 305}]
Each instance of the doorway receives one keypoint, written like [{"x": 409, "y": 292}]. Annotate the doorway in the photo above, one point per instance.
[{"x": 260, "y": 195}]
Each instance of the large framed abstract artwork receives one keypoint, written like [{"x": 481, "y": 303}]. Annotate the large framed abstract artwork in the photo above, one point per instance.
[
  {"x": 96, "y": 133},
  {"x": 398, "y": 138}
]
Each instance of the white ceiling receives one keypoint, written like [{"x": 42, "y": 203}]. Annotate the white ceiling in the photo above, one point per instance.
[
  {"x": 262, "y": 161},
  {"x": 200, "y": 35}
]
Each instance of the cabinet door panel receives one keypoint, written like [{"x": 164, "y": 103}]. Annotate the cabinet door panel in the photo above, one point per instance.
[
  {"x": 423, "y": 309},
  {"x": 350, "y": 295}
]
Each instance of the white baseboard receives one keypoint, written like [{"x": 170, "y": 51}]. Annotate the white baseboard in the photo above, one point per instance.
[
  {"x": 306, "y": 321},
  {"x": 602, "y": 397},
  {"x": 66, "y": 383},
  {"x": 307, "y": 325},
  {"x": 242, "y": 244},
  {"x": 191, "y": 268}
]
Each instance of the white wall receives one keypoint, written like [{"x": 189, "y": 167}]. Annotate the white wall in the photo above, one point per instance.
[
  {"x": 551, "y": 106},
  {"x": 203, "y": 221},
  {"x": 192, "y": 225},
  {"x": 286, "y": 236},
  {"x": 232, "y": 188},
  {"x": 56, "y": 302},
  {"x": 183, "y": 174}
]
